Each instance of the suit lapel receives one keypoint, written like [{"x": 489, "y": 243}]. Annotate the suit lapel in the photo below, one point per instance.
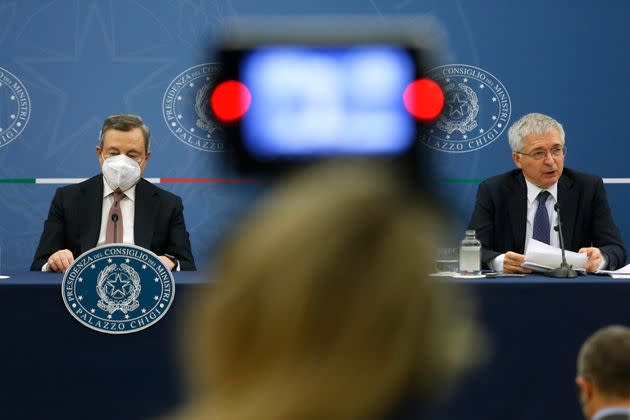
[
  {"x": 146, "y": 207},
  {"x": 90, "y": 212},
  {"x": 518, "y": 211},
  {"x": 567, "y": 199}
]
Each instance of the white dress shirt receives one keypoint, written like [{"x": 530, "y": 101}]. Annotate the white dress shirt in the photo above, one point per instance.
[
  {"x": 532, "y": 206},
  {"x": 127, "y": 209}
]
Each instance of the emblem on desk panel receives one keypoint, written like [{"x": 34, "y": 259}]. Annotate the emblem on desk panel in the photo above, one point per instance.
[
  {"x": 186, "y": 110},
  {"x": 118, "y": 289},
  {"x": 477, "y": 109},
  {"x": 15, "y": 107}
]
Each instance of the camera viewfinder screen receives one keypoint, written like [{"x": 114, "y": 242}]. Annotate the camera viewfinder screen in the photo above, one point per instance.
[{"x": 327, "y": 101}]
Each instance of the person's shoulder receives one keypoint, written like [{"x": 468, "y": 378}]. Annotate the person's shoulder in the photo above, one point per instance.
[
  {"x": 614, "y": 416},
  {"x": 86, "y": 184},
  {"x": 151, "y": 188},
  {"x": 580, "y": 177}
]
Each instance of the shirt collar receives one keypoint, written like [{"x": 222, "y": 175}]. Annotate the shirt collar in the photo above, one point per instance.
[
  {"x": 130, "y": 193},
  {"x": 607, "y": 411},
  {"x": 533, "y": 191}
]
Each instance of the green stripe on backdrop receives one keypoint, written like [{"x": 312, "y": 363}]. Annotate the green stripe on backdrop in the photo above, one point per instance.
[{"x": 17, "y": 180}]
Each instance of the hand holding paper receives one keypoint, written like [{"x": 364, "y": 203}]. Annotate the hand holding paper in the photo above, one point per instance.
[
  {"x": 541, "y": 257},
  {"x": 594, "y": 256},
  {"x": 513, "y": 263}
]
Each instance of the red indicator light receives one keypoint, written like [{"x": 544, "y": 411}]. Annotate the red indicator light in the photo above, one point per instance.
[
  {"x": 424, "y": 99},
  {"x": 230, "y": 100}
]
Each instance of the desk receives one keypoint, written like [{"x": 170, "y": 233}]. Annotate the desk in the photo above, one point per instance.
[
  {"x": 536, "y": 325},
  {"x": 52, "y": 364},
  {"x": 52, "y": 367}
]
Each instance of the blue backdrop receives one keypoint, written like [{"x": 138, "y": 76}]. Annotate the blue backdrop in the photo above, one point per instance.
[{"x": 67, "y": 64}]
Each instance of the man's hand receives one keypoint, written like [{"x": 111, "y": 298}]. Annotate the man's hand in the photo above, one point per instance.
[
  {"x": 60, "y": 260},
  {"x": 167, "y": 262},
  {"x": 594, "y": 258},
  {"x": 512, "y": 263}
]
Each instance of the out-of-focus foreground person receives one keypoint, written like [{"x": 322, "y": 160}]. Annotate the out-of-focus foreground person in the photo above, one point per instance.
[
  {"x": 322, "y": 307},
  {"x": 603, "y": 374}
]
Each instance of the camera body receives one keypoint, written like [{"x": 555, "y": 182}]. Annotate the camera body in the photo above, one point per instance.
[{"x": 321, "y": 89}]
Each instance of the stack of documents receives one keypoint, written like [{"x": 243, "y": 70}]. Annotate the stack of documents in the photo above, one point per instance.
[
  {"x": 541, "y": 257},
  {"x": 622, "y": 273}
]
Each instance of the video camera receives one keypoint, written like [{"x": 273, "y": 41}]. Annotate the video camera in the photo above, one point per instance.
[{"x": 297, "y": 90}]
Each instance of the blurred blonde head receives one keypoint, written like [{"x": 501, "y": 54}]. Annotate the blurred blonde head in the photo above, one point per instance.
[{"x": 321, "y": 306}]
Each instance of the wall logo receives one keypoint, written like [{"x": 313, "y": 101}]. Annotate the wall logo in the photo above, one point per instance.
[
  {"x": 15, "y": 107},
  {"x": 118, "y": 289},
  {"x": 186, "y": 111},
  {"x": 477, "y": 109}
]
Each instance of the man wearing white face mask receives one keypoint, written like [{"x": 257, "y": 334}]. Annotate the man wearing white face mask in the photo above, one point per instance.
[{"x": 117, "y": 206}]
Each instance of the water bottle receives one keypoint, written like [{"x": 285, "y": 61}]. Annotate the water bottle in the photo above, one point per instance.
[{"x": 470, "y": 254}]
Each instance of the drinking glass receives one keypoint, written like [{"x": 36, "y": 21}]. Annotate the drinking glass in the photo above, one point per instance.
[{"x": 446, "y": 260}]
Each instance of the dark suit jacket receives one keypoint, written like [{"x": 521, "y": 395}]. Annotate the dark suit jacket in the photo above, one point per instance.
[
  {"x": 500, "y": 216},
  {"x": 74, "y": 222}
]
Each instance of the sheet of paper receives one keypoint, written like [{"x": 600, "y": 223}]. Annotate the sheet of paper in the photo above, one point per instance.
[
  {"x": 619, "y": 273},
  {"x": 549, "y": 257},
  {"x": 535, "y": 267},
  {"x": 622, "y": 270},
  {"x": 469, "y": 276}
]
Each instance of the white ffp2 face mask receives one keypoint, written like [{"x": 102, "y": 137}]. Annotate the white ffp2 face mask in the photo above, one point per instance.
[{"x": 121, "y": 171}]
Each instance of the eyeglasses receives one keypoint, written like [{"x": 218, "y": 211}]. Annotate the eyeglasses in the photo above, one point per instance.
[{"x": 540, "y": 154}]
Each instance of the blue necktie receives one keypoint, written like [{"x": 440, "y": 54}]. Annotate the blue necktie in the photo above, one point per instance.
[{"x": 541, "y": 220}]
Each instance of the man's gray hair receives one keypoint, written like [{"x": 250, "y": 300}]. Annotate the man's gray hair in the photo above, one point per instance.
[
  {"x": 125, "y": 122},
  {"x": 533, "y": 123}
]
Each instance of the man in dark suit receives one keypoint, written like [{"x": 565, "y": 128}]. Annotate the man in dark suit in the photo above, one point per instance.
[
  {"x": 517, "y": 206},
  {"x": 117, "y": 206},
  {"x": 603, "y": 374}
]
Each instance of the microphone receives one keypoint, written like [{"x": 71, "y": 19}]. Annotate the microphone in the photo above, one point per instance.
[
  {"x": 565, "y": 271},
  {"x": 115, "y": 220}
]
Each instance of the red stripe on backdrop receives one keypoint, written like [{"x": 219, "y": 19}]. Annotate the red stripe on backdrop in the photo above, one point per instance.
[{"x": 209, "y": 180}]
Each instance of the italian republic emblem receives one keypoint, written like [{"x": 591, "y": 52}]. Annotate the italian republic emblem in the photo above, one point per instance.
[
  {"x": 477, "y": 109},
  {"x": 186, "y": 110},
  {"x": 118, "y": 289}
]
